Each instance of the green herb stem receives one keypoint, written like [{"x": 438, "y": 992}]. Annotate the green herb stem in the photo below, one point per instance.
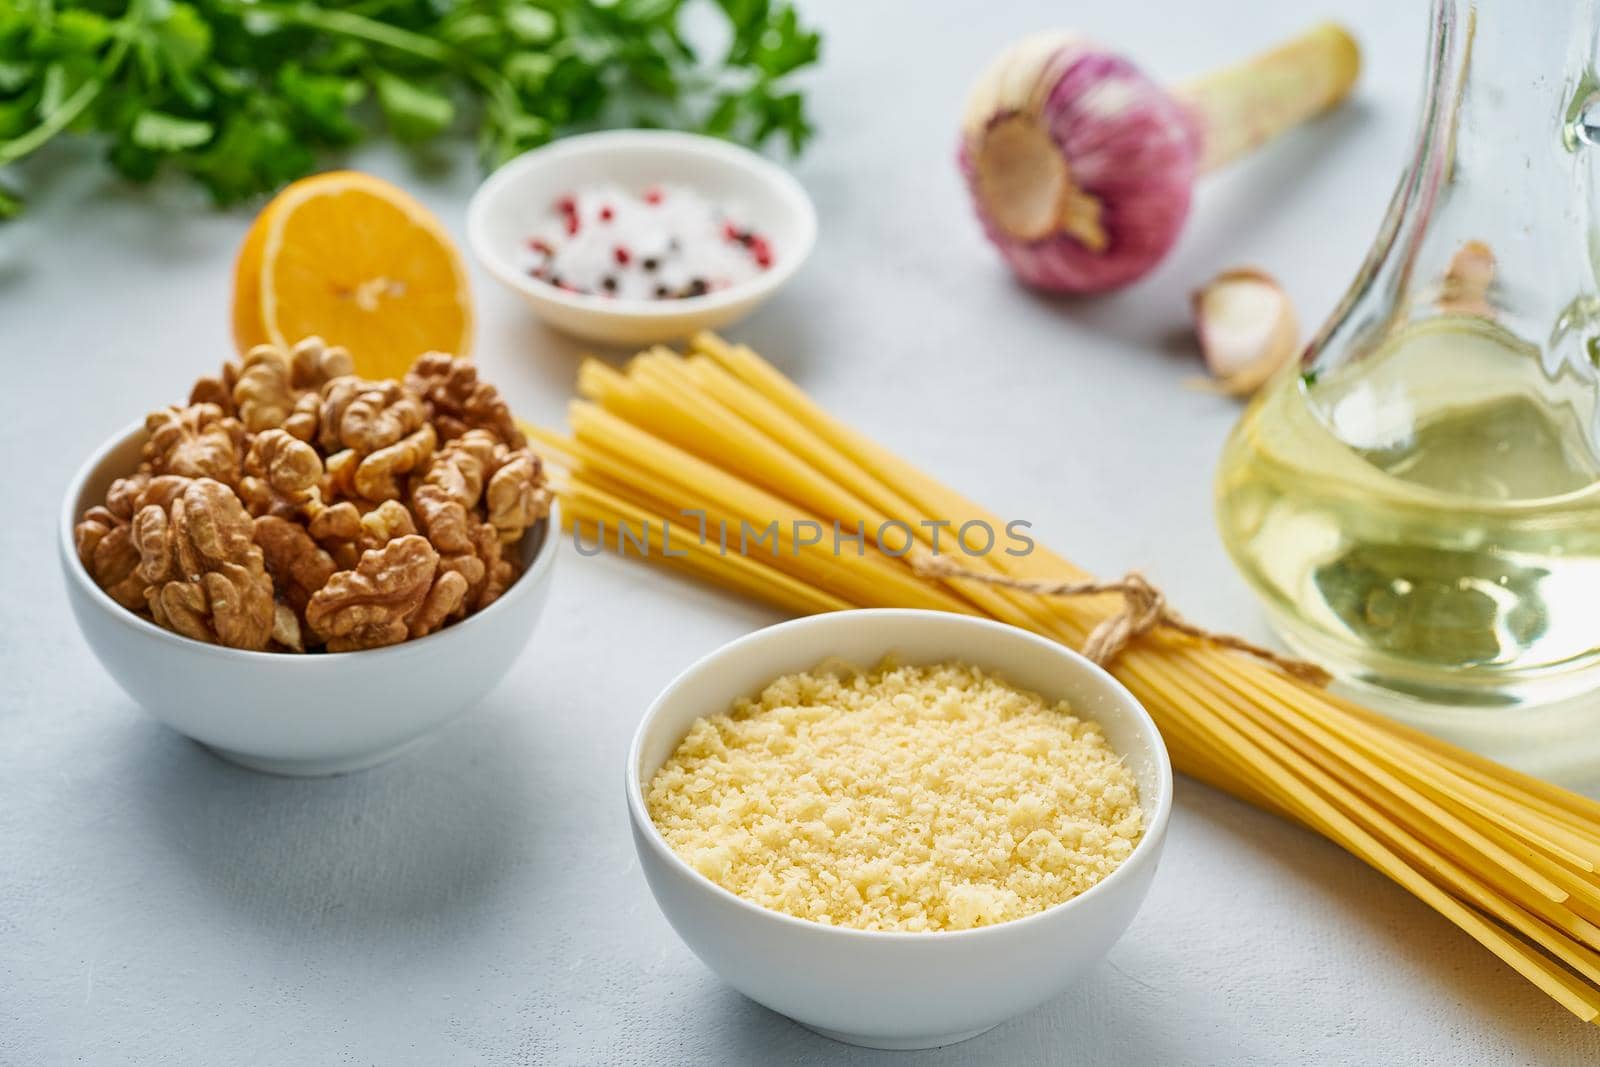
[
  {"x": 68, "y": 111},
  {"x": 349, "y": 24}
]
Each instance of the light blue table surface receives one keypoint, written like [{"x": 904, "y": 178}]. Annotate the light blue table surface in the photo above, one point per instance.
[{"x": 478, "y": 901}]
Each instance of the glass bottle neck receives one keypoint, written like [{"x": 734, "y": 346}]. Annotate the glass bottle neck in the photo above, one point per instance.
[{"x": 1499, "y": 194}]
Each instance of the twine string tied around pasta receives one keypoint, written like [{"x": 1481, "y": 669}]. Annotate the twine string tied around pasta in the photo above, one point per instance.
[{"x": 1144, "y": 609}]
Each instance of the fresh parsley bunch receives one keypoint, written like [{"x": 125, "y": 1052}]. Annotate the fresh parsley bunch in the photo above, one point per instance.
[{"x": 241, "y": 94}]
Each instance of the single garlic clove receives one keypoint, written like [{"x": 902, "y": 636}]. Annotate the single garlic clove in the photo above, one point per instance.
[
  {"x": 1247, "y": 329},
  {"x": 1468, "y": 281}
]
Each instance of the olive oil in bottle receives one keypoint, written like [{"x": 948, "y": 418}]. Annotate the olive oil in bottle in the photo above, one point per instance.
[{"x": 1427, "y": 518}]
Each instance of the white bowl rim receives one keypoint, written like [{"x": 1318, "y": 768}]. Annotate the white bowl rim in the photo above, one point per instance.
[
  {"x": 528, "y": 580},
  {"x": 1155, "y": 822},
  {"x": 689, "y": 144}
]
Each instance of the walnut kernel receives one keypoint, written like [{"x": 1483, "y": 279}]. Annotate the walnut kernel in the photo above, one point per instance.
[
  {"x": 207, "y": 579},
  {"x": 291, "y": 504},
  {"x": 198, "y": 441}
]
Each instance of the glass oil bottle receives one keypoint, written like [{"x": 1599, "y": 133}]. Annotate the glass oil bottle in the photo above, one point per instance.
[{"x": 1418, "y": 501}]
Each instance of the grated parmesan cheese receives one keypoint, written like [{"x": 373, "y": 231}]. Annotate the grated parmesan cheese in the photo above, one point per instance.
[{"x": 904, "y": 798}]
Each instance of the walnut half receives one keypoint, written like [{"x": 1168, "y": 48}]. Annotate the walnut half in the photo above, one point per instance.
[
  {"x": 263, "y": 395},
  {"x": 517, "y": 496},
  {"x": 366, "y": 416},
  {"x": 457, "y": 401},
  {"x": 391, "y": 595},
  {"x": 198, "y": 441},
  {"x": 206, "y": 576},
  {"x": 105, "y": 545},
  {"x": 281, "y": 473}
]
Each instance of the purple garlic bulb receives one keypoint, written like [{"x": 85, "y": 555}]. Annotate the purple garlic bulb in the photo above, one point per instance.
[{"x": 1082, "y": 168}]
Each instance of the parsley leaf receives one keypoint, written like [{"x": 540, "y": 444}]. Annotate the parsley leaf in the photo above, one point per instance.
[
  {"x": 243, "y": 95},
  {"x": 159, "y": 132}
]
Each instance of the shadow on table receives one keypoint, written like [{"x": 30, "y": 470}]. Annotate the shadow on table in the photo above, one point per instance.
[
  {"x": 780, "y": 331},
  {"x": 1464, "y": 973},
  {"x": 70, "y": 193},
  {"x": 754, "y": 1034},
  {"x": 401, "y": 844}
]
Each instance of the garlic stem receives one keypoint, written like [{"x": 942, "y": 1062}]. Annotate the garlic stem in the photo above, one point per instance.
[{"x": 1243, "y": 106}]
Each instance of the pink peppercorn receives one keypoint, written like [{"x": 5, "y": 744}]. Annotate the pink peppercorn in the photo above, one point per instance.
[
  {"x": 606, "y": 214},
  {"x": 761, "y": 251},
  {"x": 569, "y": 210},
  {"x": 652, "y": 195},
  {"x": 621, "y": 255}
]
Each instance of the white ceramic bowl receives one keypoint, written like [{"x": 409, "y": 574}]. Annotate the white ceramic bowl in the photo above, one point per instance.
[
  {"x": 322, "y": 713},
  {"x": 897, "y": 990},
  {"x": 516, "y": 199}
]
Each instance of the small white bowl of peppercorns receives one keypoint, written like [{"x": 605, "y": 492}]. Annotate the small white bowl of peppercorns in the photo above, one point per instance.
[
  {"x": 306, "y": 570},
  {"x": 635, "y": 236}
]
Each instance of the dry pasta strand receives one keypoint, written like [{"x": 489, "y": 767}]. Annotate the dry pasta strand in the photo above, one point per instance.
[{"x": 1512, "y": 861}]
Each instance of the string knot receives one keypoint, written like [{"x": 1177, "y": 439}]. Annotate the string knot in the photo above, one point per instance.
[{"x": 1144, "y": 607}]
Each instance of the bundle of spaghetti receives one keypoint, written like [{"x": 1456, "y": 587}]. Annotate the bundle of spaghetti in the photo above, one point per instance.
[{"x": 678, "y": 457}]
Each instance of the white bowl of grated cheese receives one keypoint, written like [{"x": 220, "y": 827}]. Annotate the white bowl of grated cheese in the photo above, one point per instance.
[
  {"x": 890, "y": 988},
  {"x": 635, "y": 236}
]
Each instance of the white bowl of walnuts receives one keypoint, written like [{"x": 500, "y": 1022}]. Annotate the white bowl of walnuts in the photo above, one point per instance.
[{"x": 304, "y": 570}]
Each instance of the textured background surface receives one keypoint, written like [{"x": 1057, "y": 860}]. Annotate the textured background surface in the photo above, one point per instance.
[{"x": 478, "y": 901}]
